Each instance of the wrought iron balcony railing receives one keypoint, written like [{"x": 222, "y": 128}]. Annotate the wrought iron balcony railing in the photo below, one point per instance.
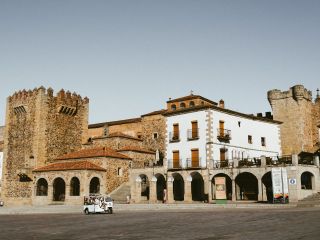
[
  {"x": 174, "y": 164},
  {"x": 224, "y": 135},
  {"x": 174, "y": 137},
  {"x": 193, "y": 163},
  {"x": 222, "y": 163},
  {"x": 193, "y": 134}
]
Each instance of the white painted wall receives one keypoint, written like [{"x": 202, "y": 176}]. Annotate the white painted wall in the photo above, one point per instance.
[
  {"x": 238, "y": 145},
  {"x": 239, "y": 136},
  {"x": 185, "y": 146}
]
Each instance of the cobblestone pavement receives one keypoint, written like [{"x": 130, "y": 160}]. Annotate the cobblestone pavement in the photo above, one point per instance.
[{"x": 204, "y": 224}]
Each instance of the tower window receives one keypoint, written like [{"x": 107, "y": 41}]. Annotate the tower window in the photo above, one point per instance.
[
  {"x": 155, "y": 135},
  {"x": 249, "y": 139}
]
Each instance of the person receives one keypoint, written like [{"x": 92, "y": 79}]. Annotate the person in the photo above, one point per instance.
[
  {"x": 164, "y": 196},
  {"x": 128, "y": 199}
]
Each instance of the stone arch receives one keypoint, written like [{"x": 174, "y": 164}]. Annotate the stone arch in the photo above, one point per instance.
[
  {"x": 42, "y": 187},
  {"x": 145, "y": 186},
  {"x": 94, "y": 186},
  {"x": 228, "y": 186},
  {"x": 267, "y": 185},
  {"x": 197, "y": 187},
  {"x": 178, "y": 187},
  {"x": 74, "y": 187},
  {"x": 246, "y": 186},
  {"x": 59, "y": 189},
  {"x": 307, "y": 180},
  {"x": 161, "y": 186}
]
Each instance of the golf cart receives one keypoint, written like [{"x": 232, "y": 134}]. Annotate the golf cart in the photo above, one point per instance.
[{"x": 97, "y": 204}]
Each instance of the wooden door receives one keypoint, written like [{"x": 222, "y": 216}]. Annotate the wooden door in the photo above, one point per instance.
[
  {"x": 221, "y": 128},
  {"x": 222, "y": 154},
  {"x": 176, "y": 159},
  {"x": 194, "y": 131},
  {"x": 175, "y": 131},
  {"x": 195, "y": 157}
]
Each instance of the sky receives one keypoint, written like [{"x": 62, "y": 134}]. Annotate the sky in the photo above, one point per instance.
[{"x": 129, "y": 57}]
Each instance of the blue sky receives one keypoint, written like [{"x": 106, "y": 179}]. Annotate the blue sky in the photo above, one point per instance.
[{"x": 130, "y": 56}]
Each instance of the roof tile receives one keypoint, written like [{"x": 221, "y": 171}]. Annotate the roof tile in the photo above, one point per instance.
[{"x": 77, "y": 165}]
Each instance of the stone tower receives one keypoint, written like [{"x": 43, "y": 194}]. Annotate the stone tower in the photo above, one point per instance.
[
  {"x": 39, "y": 127},
  {"x": 295, "y": 108}
]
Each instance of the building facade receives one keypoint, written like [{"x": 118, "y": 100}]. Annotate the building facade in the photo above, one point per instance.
[{"x": 206, "y": 142}]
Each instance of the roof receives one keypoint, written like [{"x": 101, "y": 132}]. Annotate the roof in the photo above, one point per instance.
[
  {"x": 93, "y": 152},
  {"x": 228, "y": 111},
  {"x": 124, "y": 121},
  {"x": 78, "y": 165},
  {"x": 162, "y": 111},
  {"x": 136, "y": 149},
  {"x": 190, "y": 97},
  {"x": 118, "y": 134}
]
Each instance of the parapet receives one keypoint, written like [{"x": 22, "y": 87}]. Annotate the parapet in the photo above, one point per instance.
[
  {"x": 297, "y": 92},
  {"x": 61, "y": 96}
]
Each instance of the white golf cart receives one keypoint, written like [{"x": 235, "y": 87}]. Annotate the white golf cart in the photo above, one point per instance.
[{"x": 97, "y": 204}]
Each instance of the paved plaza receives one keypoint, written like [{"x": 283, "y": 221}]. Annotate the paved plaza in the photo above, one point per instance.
[{"x": 188, "y": 223}]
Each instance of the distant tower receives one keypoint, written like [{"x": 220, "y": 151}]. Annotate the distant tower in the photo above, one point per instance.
[
  {"x": 296, "y": 110},
  {"x": 39, "y": 127}
]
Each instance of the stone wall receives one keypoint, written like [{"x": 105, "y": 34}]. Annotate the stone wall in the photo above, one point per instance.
[
  {"x": 151, "y": 125},
  {"x": 39, "y": 127},
  {"x": 296, "y": 110},
  {"x": 140, "y": 159},
  {"x": 114, "y": 142}
]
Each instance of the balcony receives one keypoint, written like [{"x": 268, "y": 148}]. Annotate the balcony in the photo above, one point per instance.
[
  {"x": 249, "y": 162},
  {"x": 174, "y": 164},
  {"x": 193, "y": 134},
  {"x": 222, "y": 163},
  {"x": 193, "y": 163},
  {"x": 174, "y": 137},
  {"x": 224, "y": 135}
]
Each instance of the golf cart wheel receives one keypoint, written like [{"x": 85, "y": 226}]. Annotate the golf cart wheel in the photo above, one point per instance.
[
  {"x": 110, "y": 210},
  {"x": 86, "y": 211}
]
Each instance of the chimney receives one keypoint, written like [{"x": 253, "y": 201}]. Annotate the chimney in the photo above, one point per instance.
[
  {"x": 269, "y": 115},
  {"x": 259, "y": 114},
  {"x": 221, "y": 103}
]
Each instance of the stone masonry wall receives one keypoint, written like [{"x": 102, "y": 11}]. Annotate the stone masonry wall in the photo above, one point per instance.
[
  {"x": 139, "y": 160},
  {"x": 150, "y": 125},
  {"x": 114, "y": 142},
  {"x": 295, "y": 109},
  {"x": 39, "y": 127}
]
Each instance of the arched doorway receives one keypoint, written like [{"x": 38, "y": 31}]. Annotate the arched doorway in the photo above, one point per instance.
[
  {"x": 197, "y": 187},
  {"x": 161, "y": 185},
  {"x": 307, "y": 181},
  {"x": 246, "y": 186},
  {"x": 178, "y": 187},
  {"x": 267, "y": 183},
  {"x": 42, "y": 187},
  {"x": 228, "y": 186},
  {"x": 94, "y": 185},
  {"x": 145, "y": 188},
  {"x": 74, "y": 187},
  {"x": 59, "y": 189}
]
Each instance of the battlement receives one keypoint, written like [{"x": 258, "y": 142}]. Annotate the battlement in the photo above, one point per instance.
[
  {"x": 297, "y": 92},
  {"x": 61, "y": 96}
]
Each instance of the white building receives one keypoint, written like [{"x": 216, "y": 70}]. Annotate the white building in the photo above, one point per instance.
[{"x": 205, "y": 134}]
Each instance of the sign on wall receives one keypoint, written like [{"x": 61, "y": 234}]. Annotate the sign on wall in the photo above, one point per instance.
[
  {"x": 280, "y": 185},
  {"x": 220, "y": 188}
]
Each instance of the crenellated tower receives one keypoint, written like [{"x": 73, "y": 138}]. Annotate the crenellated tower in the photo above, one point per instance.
[
  {"x": 297, "y": 111},
  {"x": 39, "y": 127}
]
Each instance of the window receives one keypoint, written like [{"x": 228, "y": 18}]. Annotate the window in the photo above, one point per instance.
[
  {"x": 221, "y": 128},
  {"x": 193, "y": 134},
  {"x": 239, "y": 123},
  {"x": 191, "y": 104},
  {"x": 120, "y": 172},
  {"x": 176, "y": 159},
  {"x": 155, "y": 135},
  {"x": 263, "y": 141},
  {"x": 173, "y": 107},
  {"x": 175, "y": 131},
  {"x": 182, "y": 105},
  {"x": 249, "y": 139},
  {"x": 195, "y": 157}
]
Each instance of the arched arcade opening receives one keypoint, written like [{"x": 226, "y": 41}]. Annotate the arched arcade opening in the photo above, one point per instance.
[
  {"x": 178, "y": 187},
  {"x": 246, "y": 186},
  {"x": 197, "y": 187},
  {"x": 59, "y": 189}
]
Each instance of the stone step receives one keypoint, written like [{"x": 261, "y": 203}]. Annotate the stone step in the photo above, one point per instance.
[{"x": 120, "y": 194}]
